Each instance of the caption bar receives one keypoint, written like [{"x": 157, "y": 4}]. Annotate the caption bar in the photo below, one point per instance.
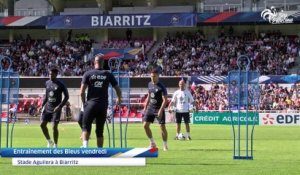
[
  {"x": 79, "y": 152},
  {"x": 78, "y": 161}
]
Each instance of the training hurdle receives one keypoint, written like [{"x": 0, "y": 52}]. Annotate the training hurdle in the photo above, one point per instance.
[
  {"x": 9, "y": 93},
  {"x": 243, "y": 98},
  {"x": 118, "y": 117}
]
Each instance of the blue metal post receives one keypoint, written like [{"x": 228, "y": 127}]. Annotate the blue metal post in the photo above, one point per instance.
[{"x": 244, "y": 81}]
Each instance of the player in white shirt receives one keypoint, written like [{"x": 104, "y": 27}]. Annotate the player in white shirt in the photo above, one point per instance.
[{"x": 180, "y": 103}]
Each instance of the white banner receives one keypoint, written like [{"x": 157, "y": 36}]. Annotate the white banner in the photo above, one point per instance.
[
  {"x": 4, "y": 119},
  {"x": 46, "y": 161},
  {"x": 286, "y": 119}
]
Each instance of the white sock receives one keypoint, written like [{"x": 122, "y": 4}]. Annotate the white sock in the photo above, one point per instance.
[
  {"x": 49, "y": 141},
  {"x": 55, "y": 146},
  {"x": 177, "y": 134},
  {"x": 188, "y": 134},
  {"x": 165, "y": 142},
  {"x": 85, "y": 143},
  {"x": 151, "y": 140}
]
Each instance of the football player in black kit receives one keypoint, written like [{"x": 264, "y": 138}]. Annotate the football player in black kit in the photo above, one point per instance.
[
  {"x": 96, "y": 102},
  {"x": 155, "y": 108},
  {"x": 52, "y": 105}
]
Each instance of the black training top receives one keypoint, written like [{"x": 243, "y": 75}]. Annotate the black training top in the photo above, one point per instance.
[
  {"x": 98, "y": 82},
  {"x": 54, "y": 91},
  {"x": 156, "y": 91}
]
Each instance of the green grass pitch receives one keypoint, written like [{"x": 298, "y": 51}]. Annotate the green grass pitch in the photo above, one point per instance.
[{"x": 276, "y": 151}]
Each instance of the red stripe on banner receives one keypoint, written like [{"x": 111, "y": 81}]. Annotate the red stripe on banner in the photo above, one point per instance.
[
  {"x": 8, "y": 20},
  {"x": 220, "y": 17}
]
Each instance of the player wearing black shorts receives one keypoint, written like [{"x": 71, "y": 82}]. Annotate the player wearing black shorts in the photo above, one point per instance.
[
  {"x": 181, "y": 100},
  {"x": 52, "y": 106},
  {"x": 155, "y": 108},
  {"x": 96, "y": 82}
]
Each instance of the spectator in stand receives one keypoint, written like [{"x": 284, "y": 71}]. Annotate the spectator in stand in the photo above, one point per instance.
[
  {"x": 182, "y": 54},
  {"x": 12, "y": 111},
  {"x": 129, "y": 34}
]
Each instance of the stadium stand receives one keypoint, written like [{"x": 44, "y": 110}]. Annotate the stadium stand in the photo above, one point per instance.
[
  {"x": 182, "y": 54},
  {"x": 274, "y": 97},
  {"x": 158, "y": 9},
  {"x": 188, "y": 54}
]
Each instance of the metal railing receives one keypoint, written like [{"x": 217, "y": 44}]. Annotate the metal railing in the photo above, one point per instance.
[
  {"x": 33, "y": 12},
  {"x": 222, "y": 8},
  {"x": 286, "y": 5}
]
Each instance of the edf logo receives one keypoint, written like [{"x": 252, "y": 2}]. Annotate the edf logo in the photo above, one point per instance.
[{"x": 288, "y": 119}]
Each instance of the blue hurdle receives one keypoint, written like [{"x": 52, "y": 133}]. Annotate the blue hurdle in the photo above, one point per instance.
[
  {"x": 243, "y": 95},
  {"x": 9, "y": 93},
  {"x": 124, "y": 83}
]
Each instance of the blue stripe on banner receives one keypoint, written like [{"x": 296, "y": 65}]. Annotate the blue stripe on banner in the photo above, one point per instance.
[
  {"x": 121, "y": 21},
  {"x": 78, "y": 152},
  {"x": 150, "y": 151}
]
